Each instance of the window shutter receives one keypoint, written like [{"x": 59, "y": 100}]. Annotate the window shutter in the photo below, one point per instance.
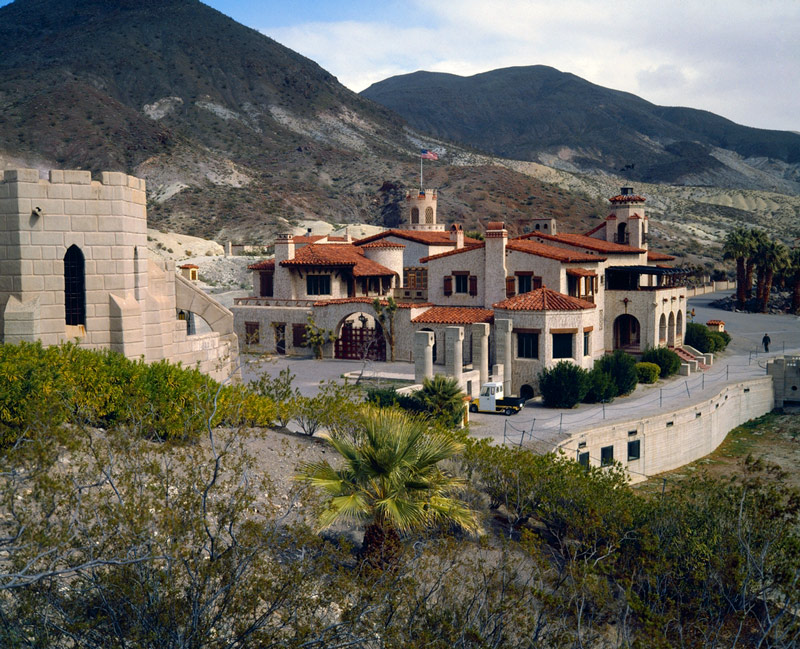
[
  {"x": 448, "y": 285},
  {"x": 510, "y": 287},
  {"x": 473, "y": 285}
]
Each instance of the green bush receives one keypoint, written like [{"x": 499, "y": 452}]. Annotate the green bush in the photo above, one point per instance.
[
  {"x": 65, "y": 383},
  {"x": 667, "y": 360},
  {"x": 564, "y": 385},
  {"x": 648, "y": 372},
  {"x": 602, "y": 388},
  {"x": 622, "y": 368},
  {"x": 704, "y": 340}
]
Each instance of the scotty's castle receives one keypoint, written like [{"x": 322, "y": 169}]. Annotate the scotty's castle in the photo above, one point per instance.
[{"x": 511, "y": 305}]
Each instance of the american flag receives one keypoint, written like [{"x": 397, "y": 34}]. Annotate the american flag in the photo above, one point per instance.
[{"x": 428, "y": 155}]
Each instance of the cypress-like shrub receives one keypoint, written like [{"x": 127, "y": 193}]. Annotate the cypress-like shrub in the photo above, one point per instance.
[
  {"x": 564, "y": 385},
  {"x": 667, "y": 360},
  {"x": 602, "y": 388},
  {"x": 622, "y": 368}
]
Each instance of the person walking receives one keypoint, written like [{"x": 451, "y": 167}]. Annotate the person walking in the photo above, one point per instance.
[{"x": 766, "y": 341}]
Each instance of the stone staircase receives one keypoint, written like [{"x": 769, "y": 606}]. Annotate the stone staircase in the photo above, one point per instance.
[{"x": 693, "y": 362}]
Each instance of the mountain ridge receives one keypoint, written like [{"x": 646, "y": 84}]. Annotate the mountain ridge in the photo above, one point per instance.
[{"x": 540, "y": 114}]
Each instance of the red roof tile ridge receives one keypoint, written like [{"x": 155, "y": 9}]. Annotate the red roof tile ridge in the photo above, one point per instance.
[
  {"x": 449, "y": 253},
  {"x": 549, "y": 252},
  {"x": 544, "y": 299},
  {"x": 584, "y": 241},
  {"x": 455, "y": 315}
]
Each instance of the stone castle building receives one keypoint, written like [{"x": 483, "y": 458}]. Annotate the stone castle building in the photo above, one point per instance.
[
  {"x": 520, "y": 304},
  {"x": 74, "y": 265}
]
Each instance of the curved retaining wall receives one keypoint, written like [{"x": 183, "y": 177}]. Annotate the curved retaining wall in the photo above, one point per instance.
[{"x": 670, "y": 440}]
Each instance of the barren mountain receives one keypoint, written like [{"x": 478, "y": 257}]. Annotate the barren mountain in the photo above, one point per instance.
[
  {"x": 239, "y": 137},
  {"x": 538, "y": 113}
]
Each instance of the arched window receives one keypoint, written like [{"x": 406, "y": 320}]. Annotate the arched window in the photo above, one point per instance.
[
  {"x": 415, "y": 215},
  {"x": 671, "y": 330},
  {"x": 679, "y": 328},
  {"x": 662, "y": 329},
  {"x": 428, "y": 215},
  {"x": 74, "y": 287}
]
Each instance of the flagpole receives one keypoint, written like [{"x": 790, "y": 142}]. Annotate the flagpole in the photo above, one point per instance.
[{"x": 420, "y": 173}]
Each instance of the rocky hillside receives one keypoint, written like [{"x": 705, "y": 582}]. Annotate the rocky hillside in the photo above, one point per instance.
[
  {"x": 239, "y": 137},
  {"x": 538, "y": 113}
]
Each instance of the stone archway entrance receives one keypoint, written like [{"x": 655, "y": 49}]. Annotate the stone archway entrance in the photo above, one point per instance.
[
  {"x": 360, "y": 337},
  {"x": 627, "y": 333}
]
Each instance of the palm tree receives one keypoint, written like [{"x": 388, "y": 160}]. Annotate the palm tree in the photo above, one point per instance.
[
  {"x": 793, "y": 272},
  {"x": 758, "y": 238},
  {"x": 390, "y": 480},
  {"x": 773, "y": 256},
  {"x": 737, "y": 246},
  {"x": 442, "y": 398}
]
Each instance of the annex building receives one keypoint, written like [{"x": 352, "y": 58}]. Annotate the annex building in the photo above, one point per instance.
[{"x": 515, "y": 305}]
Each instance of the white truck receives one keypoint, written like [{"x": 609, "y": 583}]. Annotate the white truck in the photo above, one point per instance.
[{"x": 491, "y": 400}]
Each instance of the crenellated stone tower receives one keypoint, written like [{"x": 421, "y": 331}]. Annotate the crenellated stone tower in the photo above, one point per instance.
[
  {"x": 74, "y": 265},
  {"x": 421, "y": 211}
]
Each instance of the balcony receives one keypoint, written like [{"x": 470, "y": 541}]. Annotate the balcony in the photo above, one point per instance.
[
  {"x": 271, "y": 301},
  {"x": 405, "y": 294}
]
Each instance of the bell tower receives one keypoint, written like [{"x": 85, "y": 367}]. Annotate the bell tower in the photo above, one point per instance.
[
  {"x": 627, "y": 223},
  {"x": 421, "y": 211}
]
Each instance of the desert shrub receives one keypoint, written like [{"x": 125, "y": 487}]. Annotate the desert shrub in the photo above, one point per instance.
[
  {"x": 719, "y": 339},
  {"x": 161, "y": 401},
  {"x": 648, "y": 372},
  {"x": 622, "y": 368},
  {"x": 666, "y": 359},
  {"x": 169, "y": 402},
  {"x": 382, "y": 397},
  {"x": 280, "y": 391},
  {"x": 564, "y": 385},
  {"x": 601, "y": 387}
]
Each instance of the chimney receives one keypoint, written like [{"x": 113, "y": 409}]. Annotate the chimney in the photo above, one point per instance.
[
  {"x": 457, "y": 235},
  {"x": 284, "y": 247},
  {"x": 495, "y": 263}
]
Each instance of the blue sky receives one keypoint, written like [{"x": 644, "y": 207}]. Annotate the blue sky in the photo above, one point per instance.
[{"x": 737, "y": 58}]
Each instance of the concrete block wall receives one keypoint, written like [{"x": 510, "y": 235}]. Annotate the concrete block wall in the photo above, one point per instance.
[{"x": 672, "y": 439}]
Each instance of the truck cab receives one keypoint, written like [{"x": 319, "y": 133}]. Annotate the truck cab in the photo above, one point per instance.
[{"x": 493, "y": 399}]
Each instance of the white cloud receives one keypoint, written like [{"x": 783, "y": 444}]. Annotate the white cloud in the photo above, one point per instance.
[{"x": 735, "y": 58}]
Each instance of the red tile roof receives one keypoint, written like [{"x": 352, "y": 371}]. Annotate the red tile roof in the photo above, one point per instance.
[
  {"x": 307, "y": 238},
  {"x": 496, "y": 225},
  {"x": 550, "y": 252},
  {"x": 652, "y": 255},
  {"x": 583, "y": 241},
  {"x": 383, "y": 244},
  {"x": 188, "y": 266},
  {"x": 581, "y": 272},
  {"x": 338, "y": 254},
  {"x": 596, "y": 229},
  {"x": 634, "y": 216},
  {"x": 544, "y": 299},
  {"x": 715, "y": 322},
  {"x": 627, "y": 198},
  {"x": 455, "y": 315},
  {"x": 370, "y": 300},
  {"x": 431, "y": 238},
  {"x": 267, "y": 264},
  {"x": 452, "y": 252}
]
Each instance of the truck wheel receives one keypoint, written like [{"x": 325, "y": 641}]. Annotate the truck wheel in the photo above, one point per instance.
[
  {"x": 473, "y": 407},
  {"x": 508, "y": 412}
]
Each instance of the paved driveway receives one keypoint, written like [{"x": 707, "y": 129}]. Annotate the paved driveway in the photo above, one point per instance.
[{"x": 744, "y": 358}]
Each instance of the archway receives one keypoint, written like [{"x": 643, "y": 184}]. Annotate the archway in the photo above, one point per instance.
[
  {"x": 626, "y": 333},
  {"x": 662, "y": 329},
  {"x": 74, "y": 287},
  {"x": 671, "y": 330},
  {"x": 359, "y": 336},
  {"x": 622, "y": 233},
  {"x": 526, "y": 392},
  {"x": 679, "y": 328}
]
